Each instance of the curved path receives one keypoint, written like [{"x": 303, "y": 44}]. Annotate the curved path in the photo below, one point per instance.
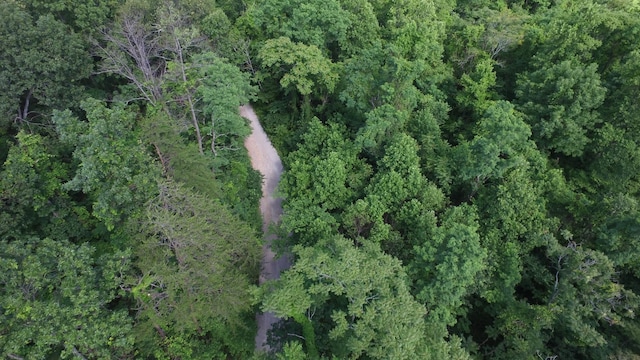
[{"x": 265, "y": 159}]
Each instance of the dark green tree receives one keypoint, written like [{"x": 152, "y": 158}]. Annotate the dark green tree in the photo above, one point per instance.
[
  {"x": 84, "y": 18},
  {"x": 42, "y": 64},
  {"x": 561, "y": 102},
  {"x": 195, "y": 262},
  {"x": 30, "y": 181}
]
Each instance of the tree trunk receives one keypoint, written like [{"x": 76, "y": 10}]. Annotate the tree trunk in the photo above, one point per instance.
[
  {"x": 25, "y": 109},
  {"x": 192, "y": 109}
]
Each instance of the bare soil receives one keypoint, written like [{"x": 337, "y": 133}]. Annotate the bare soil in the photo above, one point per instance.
[{"x": 265, "y": 159}]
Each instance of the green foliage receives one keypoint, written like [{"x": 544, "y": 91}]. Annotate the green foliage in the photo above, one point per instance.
[
  {"x": 561, "y": 102},
  {"x": 572, "y": 30},
  {"x": 30, "y": 178},
  {"x": 589, "y": 296},
  {"x": 364, "y": 75},
  {"x": 33, "y": 200},
  {"x": 222, "y": 90},
  {"x": 292, "y": 351},
  {"x": 457, "y": 174},
  {"x": 378, "y": 317},
  {"x": 500, "y": 140},
  {"x": 114, "y": 168},
  {"x": 363, "y": 30},
  {"x": 381, "y": 124},
  {"x": 524, "y": 328},
  {"x": 179, "y": 158},
  {"x": 322, "y": 24},
  {"x": 57, "y": 301},
  {"x": 325, "y": 174},
  {"x": 516, "y": 221},
  {"x": 41, "y": 65},
  {"x": 298, "y": 66},
  {"x": 447, "y": 264},
  {"x": 397, "y": 182},
  {"x": 195, "y": 264},
  {"x": 476, "y": 86},
  {"x": 434, "y": 150},
  {"x": 484, "y": 31},
  {"x": 618, "y": 234},
  {"x": 83, "y": 17}
]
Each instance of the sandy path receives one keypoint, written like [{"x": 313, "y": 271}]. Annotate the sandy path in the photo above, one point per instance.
[{"x": 265, "y": 159}]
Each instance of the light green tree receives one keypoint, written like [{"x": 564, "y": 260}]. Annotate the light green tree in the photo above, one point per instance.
[
  {"x": 324, "y": 175},
  {"x": 322, "y": 24},
  {"x": 222, "y": 89},
  {"x": 501, "y": 138},
  {"x": 300, "y": 67},
  {"x": 447, "y": 265},
  {"x": 362, "y": 293},
  {"x": 114, "y": 168},
  {"x": 58, "y": 299}
]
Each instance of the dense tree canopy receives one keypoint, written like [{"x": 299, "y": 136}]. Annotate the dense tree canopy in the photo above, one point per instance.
[
  {"x": 461, "y": 178},
  {"x": 43, "y": 61}
]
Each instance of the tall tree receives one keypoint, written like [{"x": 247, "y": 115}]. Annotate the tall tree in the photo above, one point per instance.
[
  {"x": 299, "y": 67},
  {"x": 561, "y": 102},
  {"x": 501, "y": 139},
  {"x": 589, "y": 296},
  {"x": 195, "y": 262},
  {"x": 31, "y": 187},
  {"x": 447, "y": 265},
  {"x": 59, "y": 300},
  {"x": 84, "y": 18},
  {"x": 221, "y": 91},
  {"x": 114, "y": 168},
  {"x": 323, "y": 176},
  {"x": 42, "y": 64},
  {"x": 322, "y": 24},
  {"x": 131, "y": 48},
  {"x": 370, "y": 316}
]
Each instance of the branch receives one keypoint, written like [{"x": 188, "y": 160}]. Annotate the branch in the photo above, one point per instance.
[
  {"x": 165, "y": 166},
  {"x": 555, "y": 286},
  {"x": 131, "y": 40},
  {"x": 25, "y": 110},
  {"x": 296, "y": 335},
  {"x": 77, "y": 353}
]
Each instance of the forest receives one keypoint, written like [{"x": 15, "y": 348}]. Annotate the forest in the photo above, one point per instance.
[{"x": 461, "y": 178}]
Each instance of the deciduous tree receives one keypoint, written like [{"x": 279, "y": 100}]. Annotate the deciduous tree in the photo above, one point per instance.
[
  {"x": 42, "y": 64},
  {"x": 114, "y": 168},
  {"x": 58, "y": 300},
  {"x": 561, "y": 102},
  {"x": 372, "y": 316}
]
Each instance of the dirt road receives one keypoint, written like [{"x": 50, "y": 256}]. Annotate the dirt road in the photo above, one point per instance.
[{"x": 265, "y": 159}]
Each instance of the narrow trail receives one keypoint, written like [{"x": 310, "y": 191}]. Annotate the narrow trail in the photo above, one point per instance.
[{"x": 265, "y": 159}]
